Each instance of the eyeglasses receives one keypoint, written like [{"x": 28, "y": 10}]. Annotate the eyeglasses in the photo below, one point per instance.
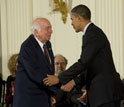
[{"x": 59, "y": 63}]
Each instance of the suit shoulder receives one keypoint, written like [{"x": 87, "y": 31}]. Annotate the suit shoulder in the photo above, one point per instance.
[
  {"x": 94, "y": 29},
  {"x": 29, "y": 42}
]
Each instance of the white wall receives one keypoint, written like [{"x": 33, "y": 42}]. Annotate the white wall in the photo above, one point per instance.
[
  {"x": 17, "y": 15},
  {"x": 0, "y": 47},
  {"x": 16, "y": 18}
]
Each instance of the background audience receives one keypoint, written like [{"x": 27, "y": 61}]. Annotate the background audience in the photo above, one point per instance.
[
  {"x": 12, "y": 66},
  {"x": 60, "y": 64}
]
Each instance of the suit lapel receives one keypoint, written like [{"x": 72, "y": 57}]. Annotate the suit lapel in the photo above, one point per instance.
[
  {"x": 41, "y": 53},
  {"x": 39, "y": 50}
]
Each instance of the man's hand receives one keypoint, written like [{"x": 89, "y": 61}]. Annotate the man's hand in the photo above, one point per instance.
[
  {"x": 83, "y": 98},
  {"x": 53, "y": 101},
  {"x": 68, "y": 87},
  {"x": 51, "y": 80}
]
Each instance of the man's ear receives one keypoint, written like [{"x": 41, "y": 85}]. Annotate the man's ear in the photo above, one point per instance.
[{"x": 35, "y": 32}]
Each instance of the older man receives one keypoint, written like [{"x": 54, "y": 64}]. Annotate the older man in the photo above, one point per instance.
[
  {"x": 60, "y": 64},
  {"x": 62, "y": 98},
  {"x": 35, "y": 61}
]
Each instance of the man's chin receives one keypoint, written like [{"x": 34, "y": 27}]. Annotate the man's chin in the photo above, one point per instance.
[
  {"x": 77, "y": 31},
  {"x": 49, "y": 38}
]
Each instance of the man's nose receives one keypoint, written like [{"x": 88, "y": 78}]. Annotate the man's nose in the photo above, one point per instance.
[{"x": 59, "y": 64}]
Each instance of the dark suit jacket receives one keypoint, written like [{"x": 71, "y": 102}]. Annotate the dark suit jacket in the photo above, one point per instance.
[
  {"x": 103, "y": 83},
  {"x": 32, "y": 69}
]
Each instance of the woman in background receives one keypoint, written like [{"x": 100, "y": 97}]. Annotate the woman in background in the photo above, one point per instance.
[{"x": 12, "y": 66}]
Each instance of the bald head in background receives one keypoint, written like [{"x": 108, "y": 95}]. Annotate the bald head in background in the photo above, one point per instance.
[{"x": 60, "y": 63}]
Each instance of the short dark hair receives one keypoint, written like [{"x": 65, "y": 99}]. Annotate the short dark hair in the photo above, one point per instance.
[{"x": 82, "y": 10}]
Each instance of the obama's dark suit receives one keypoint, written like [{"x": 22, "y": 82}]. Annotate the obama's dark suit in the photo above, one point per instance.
[{"x": 103, "y": 83}]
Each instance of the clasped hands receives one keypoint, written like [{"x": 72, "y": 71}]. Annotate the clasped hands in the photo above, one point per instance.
[{"x": 53, "y": 80}]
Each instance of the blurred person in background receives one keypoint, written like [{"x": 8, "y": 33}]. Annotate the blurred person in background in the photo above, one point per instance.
[
  {"x": 12, "y": 66},
  {"x": 60, "y": 63},
  {"x": 73, "y": 98}
]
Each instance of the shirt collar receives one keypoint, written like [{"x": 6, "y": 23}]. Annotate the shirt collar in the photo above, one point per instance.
[
  {"x": 86, "y": 28},
  {"x": 40, "y": 43}
]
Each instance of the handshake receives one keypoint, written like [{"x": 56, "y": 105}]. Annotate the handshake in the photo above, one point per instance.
[{"x": 53, "y": 80}]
